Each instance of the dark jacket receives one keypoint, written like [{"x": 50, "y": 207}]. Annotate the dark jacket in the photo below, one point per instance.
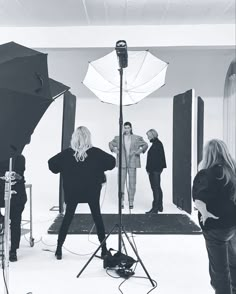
[
  {"x": 156, "y": 160},
  {"x": 209, "y": 187},
  {"x": 18, "y": 166},
  {"x": 82, "y": 180}
]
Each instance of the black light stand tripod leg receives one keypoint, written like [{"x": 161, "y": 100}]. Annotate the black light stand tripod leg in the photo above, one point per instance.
[
  {"x": 87, "y": 263},
  {"x": 123, "y": 244},
  {"x": 138, "y": 257}
]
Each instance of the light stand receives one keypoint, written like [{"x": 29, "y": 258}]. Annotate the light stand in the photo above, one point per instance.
[
  {"x": 121, "y": 50},
  {"x": 9, "y": 177}
]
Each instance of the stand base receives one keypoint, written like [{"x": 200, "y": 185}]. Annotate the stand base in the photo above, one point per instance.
[{"x": 120, "y": 256}]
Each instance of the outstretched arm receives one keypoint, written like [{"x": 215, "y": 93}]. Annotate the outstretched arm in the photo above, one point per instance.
[
  {"x": 205, "y": 214},
  {"x": 54, "y": 163},
  {"x": 142, "y": 146},
  {"x": 113, "y": 145}
]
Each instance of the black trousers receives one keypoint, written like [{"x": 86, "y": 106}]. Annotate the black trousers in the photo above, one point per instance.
[
  {"x": 155, "y": 182},
  {"x": 16, "y": 209},
  {"x": 221, "y": 249},
  {"x": 68, "y": 217}
]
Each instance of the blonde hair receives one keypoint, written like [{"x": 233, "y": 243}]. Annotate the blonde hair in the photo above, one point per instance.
[
  {"x": 153, "y": 133},
  {"x": 81, "y": 142},
  {"x": 216, "y": 153}
]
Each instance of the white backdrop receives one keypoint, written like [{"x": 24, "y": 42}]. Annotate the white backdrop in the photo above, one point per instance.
[{"x": 102, "y": 120}]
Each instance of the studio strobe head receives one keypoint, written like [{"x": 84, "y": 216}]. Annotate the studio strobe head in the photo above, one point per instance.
[{"x": 122, "y": 53}]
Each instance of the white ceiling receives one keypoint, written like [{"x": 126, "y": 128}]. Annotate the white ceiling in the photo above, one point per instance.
[{"x": 50, "y": 13}]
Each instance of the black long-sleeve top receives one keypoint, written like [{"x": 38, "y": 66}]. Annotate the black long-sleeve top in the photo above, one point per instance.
[
  {"x": 18, "y": 166},
  {"x": 156, "y": 160},
  {"x": 82, "y": 180},
  {"x": 209, "y": 187}
]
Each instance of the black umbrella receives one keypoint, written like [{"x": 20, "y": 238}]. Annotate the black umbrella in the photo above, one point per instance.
[{"x": 25, "y": 94}]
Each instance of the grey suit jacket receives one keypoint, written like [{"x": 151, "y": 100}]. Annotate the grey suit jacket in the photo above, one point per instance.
[{"x": 137, "y": 145}]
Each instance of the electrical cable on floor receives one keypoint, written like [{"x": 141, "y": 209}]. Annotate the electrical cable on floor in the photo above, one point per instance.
[
  {"x": 154, "y": 281},
  {"x": 138, "y": 277},
  {"x": 107, "y": 272},
  {"x": 28, "y": 240},
  {"x": 119, "y": 287}
]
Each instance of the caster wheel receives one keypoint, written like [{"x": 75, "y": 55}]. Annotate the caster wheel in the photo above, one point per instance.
[{"x": 32, "y": 242}]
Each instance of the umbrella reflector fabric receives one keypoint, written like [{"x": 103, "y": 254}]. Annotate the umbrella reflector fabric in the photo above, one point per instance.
[
  {"x": 18, "y": 123},
  {"x": 145, "y": 74},
  {"x": 25, "y": 93}
]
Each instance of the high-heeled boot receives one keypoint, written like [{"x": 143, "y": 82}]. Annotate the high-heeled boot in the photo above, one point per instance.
[
  {"x": 105, "y": 251},
  {"x": 12, "y": 255},
  {"x": 58, "y": 252}
]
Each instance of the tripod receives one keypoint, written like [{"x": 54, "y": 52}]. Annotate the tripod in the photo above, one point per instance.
[{"x": 123, "y": 63}]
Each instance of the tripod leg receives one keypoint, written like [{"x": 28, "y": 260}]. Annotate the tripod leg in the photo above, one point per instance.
[
  {"x": 139, "y": 259},
  {"x": 96, "y": 251},
  {"x": 123, "y": 244}
]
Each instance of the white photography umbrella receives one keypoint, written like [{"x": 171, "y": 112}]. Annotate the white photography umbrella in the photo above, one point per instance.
[{"x": 145, "y": 74}]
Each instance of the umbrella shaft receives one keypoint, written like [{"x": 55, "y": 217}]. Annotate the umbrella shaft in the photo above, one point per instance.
[{"x": 120, "y": 161}]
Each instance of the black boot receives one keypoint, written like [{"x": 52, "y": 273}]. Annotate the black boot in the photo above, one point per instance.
[
  {"x": 12, "y": 255},
  {"x": 160, "y": 208},
  {"x": 105, "y": 251},
  {"x": 58, "y": 252},
  {"x": 152, "y": 211}
]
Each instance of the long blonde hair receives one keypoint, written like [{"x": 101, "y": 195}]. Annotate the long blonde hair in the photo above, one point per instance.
[
  {"x": 216, "y": 153},
  {"x": 81, "y": 142}
]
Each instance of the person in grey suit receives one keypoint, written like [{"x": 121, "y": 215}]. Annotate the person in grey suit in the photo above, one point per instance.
[{"x": 132, "y": 147}]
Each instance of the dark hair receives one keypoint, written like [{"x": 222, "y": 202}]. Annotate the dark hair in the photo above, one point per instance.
[{"x": 127, "y": 123}]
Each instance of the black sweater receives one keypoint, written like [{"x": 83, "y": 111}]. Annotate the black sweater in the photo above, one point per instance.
[
  {"x": 156, "y": 160},
  {"x": 82, "y": 180},
  {"x": 209, "y": 187}
]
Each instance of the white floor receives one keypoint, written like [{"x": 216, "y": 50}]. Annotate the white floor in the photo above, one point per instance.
[{"x": 178, "y": 263}]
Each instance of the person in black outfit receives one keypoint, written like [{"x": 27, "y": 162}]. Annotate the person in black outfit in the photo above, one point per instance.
[
  {"x": 214, "y": 195},
  {"x": 17, "y": 202},
  {"x": 156, "y": 161},
  {"x": 82, "y": 168}
]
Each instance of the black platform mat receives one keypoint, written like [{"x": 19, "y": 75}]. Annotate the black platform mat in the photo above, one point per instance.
[{"x": 137, "y": 223}]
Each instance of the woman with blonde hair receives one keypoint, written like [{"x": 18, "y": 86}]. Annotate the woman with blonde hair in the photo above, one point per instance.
[
  {"x": 156, "y": 162},
  {"x": 82, "y": 168},
  {"x": 214, "y": 194}
]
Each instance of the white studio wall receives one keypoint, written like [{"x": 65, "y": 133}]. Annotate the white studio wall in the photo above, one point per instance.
[
  {"x": 103, "y": 121},
  {"x": 203, "y": 70}
]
